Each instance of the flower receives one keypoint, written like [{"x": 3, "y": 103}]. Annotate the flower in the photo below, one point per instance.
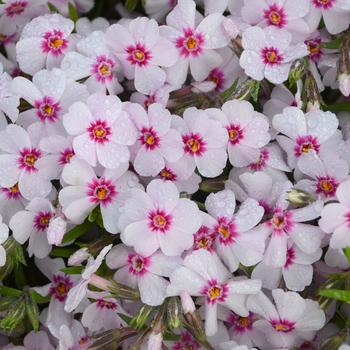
[
  {"x": 335, "y": 218},
  {"x": 32, "y": 224},
  {"x": 144, "y": 272},
  {"x": 85, "y": 192},
  {"x": 4, "y": 233},
  {"x": 203, "y": 274},
  {"x": 101, "y": 131},
  {"x": 44, "y": 40},
  {"x": 290, "y": 322},
  {"x": 268, "y": 53},
  {"x": 195, "y": 42},
  {"x": 34, "y": 341},
  {"x": 158, "y": 218},
  {"x": 247, "y": 131},
  {"x": 74, "y": 337},
  {"x": 142, "y": 51}
]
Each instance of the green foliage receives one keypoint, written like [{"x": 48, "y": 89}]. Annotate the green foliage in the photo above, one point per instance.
[{"x": 337, "y": 294}]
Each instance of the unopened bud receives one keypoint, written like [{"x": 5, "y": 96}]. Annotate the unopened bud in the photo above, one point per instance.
[
  {"x": 78, "y": 257},
  {"x": 174, "y": 312},
  {"x": 56, "y": 230},
  {"x": 299, "y": 197},
  {"x": 187, "y": 303},
  {"x": 155, "y": 341},
  {"x": 344, "y": 84}
]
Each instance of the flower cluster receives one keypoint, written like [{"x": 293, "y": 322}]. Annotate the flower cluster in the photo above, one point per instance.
[{"x": 175, "y": 177}]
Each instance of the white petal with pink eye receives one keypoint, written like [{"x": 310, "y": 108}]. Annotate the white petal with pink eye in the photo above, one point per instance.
[
  {"x": 290, "y": 306},
  {"x": 85, "y": 149},
  {"x": 291, "y": 122},
  {"x": 249, "y": 215},
  {"x": 297, "y": 276},
  {"x": 333, "y": 215},
  {"x": 186, "y": 216},
  {"x": 222, "y": 203},
  {"x": 244, "y": 286},
  {"x": 310, "y": 164},
  {"x": 174, "y": 242},
  {"x": 183, "y": 15},
  {"x": 78, "y": 210},
  {"x": 307, "y": 237},
  {"x": 211, "y": 319},
  {"x": 19, "y": 136},
  {"x": 203, "y": 64},
  {"x": 149, "y": 79},
  {"x": 26, "y": 89},
  {"x": 259, "y": 184},
  {"x": 185, "y": 280},
  {"x": 212, "y": 162},
  {"x": 256, "y": 133},
  {"x": 110, "y": 154},
  {"x": 276, "y": 251},
  {"x": 118, "y": 256},
  {"x": 77, "y": 120},
  {"x": 50, "y": 83},
  {"x": 29, "y": 56},
  {"x": 308, "y": 213},
  {"x": 38, "y": 245},
  {"x": 32, "y": 185},
  {"x": 111, "y": 214},
  {"x": 341, "y": 237},
  {"x": 136, "y": 234},
  {"x": 76, "y": 295},
  {"x": 159, "y": 118},
  {"x": 163, "y": 265},
  {"x": 241, "y": 155},
  {"x": 228, "y": 257},
  {"x": 269, "y": 276},
  {"x": 152, "y": 289},
  {"x": 313, "y": 317},
  {"x": 252, "y": 64},
  {"x": 176, "y": 75},
  {"x": 76, "y": 66},
  {"x": 21, "y": 225},
  {"x": 343, "y": 192},
  {"x": 253, "y": 38},
  {"x": 148, "y": 162},
  {"x": 165, "y": 195},
  {"x": 164, "y": 53},
  {"x": 237, "y": 303},
  {"x": 277, "y": 74},
  {"x": 321, "y": 124},
  {"x": 262, "y": 305},
  {"x": 105, "y": 107},
  {"x": 171, "y": 147},
  {"x": 124, "y": 276},
  {"x": 77, "y": 173},
  {"x": 124, "y": 131}
]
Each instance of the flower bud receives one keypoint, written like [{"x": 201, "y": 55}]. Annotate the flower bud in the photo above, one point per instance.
[
  {"x": 187, "y": 303},
  {"x": 155, "y": 341},
  {"x": 173, "y": 313},
  {"x": 78, "y": 257},
  {"x": 299, "y": 197},
  {"x": 56, "y": 230}
]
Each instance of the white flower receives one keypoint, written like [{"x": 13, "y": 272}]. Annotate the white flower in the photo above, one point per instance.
[{"x": 4, "y": 233}]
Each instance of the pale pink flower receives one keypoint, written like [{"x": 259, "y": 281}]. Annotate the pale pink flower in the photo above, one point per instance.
[
  {"x": 160, "y": 96},
  {"x": 143, "y": 272},
  {"x": 335, "y": 218},
  {"x": 289, "y": 322},
  {"x": 142, "y": 51},
  {"x": 204, "y": 142},
  {"x": 268, "y": 53},
  {"x": 86, "y": 191},
  {"x": 159, "y": 9},
  {"x": 74, "y": 337},
  {"x": 84, "y": 26},
  {"x": 102, "y": 131},
  {"x": 43, "y": 43},
  {"x": 32, "y": 224},
  {"x": 195, "y": 41},
  {"x": 158, "y": 218},
  {"x": 247, "y": 131},
  {"x": 34, "y": 341},
  {"x": 157, "y": 142},
  {"x": 203, "y": 274}
]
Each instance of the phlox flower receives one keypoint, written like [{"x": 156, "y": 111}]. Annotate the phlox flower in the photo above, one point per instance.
[
  {"x": 247, "y": 131},
  {"x": 32, "y": 224},
  {"x": 158, "y": 218},
  {"x": 4, "y": 233},
  {"x": 84, "y": 26},
  {"x": 305, "y": 133},
  {"x": 85, "y": 191},
  {"x": 157, "y": 142},
  {"x": 297, "y": 272},
  {"x": 23, "y": 166},
  {"x": 43, "y": 42},
  {"x": 74, "y": 337},
  {"x": 195, "y": 42},
  {"x": 268, "y": 53},
  {"x": 142, "y": 51},
  {"x": 289, "y": 322},
  {"x": 102, "y": 132},
  {"x": 160, "y": 96},
  {"x": 159, "y": 9},
  {"x": 236, "y": 239},
  {"x": 93, "y": 60},
  {"x": 34, "y": 341},
  {"x": 50, "y": 94},
  {"x": 203, "y": 274},
  {"x": 285, "y": 14},
  {"x": 335, "y": 218},
  {"x": 204, "y": 142},
  {"x": 143, "y": 272}
]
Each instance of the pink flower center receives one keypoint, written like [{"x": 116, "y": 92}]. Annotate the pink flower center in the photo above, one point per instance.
[
  {"x": 240, "y": 324},
  {"x": 99, "y": 131},
  {"x": 215, "y": 291},
  {"x": 204, "y": 239},
  {"x": 290, "y": 257},
  {"x": 235, "y": 133},
  {"x": 103, "y": 68},
  {"x": 187, "y": 342},
  {"x": 159, "y": 221},
  {"x": 12, "y": 193},
  {"x": 281, "y": 221},
  {"x": 47, "y": 109},
  {"x": 54, "y": 42},
  {"x": 225, "y": 229},
  {"x": 271, "y": 56},
  {"x": 138, "y": 264},
  {"x": 138, "y": 55},
  {"x": 42, "y": 220},
  {"x": 66, "y": 156},
  {"x": 323, "y": 4},
  {"x": 167, "y": 175},
  {"x": 15, "y": 8},
  {"x": 28, "y": 158},
  {"x": 60, "y": 287},
  {"x": 261, "y": 163},
  {"x": 284, "y": 326},
  {"x": 148, "y": 101},
  {"x": 217, "y": 76},
  {"x": 275, "y": 16},
  {"x": 101, "y": 191},
  {"x": 314, "y": 48},
  {"x": 106, "y": 304},
  {"x": 149, "y": 138},
  {"x": 194, "y": 144},
  {"x": 306, "y": 144},
  {"x": 190, "y": 44},
  {"x": 327, "y": 185}
]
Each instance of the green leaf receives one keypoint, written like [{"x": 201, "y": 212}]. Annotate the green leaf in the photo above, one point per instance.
[
  {"x": 10, "y": 292},
  {"x": 339, "y": 107},
  {"x": 62, "y": 252},
  {"x": 337, "y": 294},
  {"x": 74, "y": 270},
  {"x": 14, "y": 317},
  {"x": 347, "y": 253},
  {"x": 52, "y": 8},
  {"x": 228, "y": 92},
  {"x": 255, "y": 91},
  {"x": 73, "y": 13},
  {"x": 333, "y": 44},
  {"x": 39, "y": 299},
  {"x": 77, "y": 231},
  {"x": 131, "y": 4},
  {"x": 33, "y": 313}
]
